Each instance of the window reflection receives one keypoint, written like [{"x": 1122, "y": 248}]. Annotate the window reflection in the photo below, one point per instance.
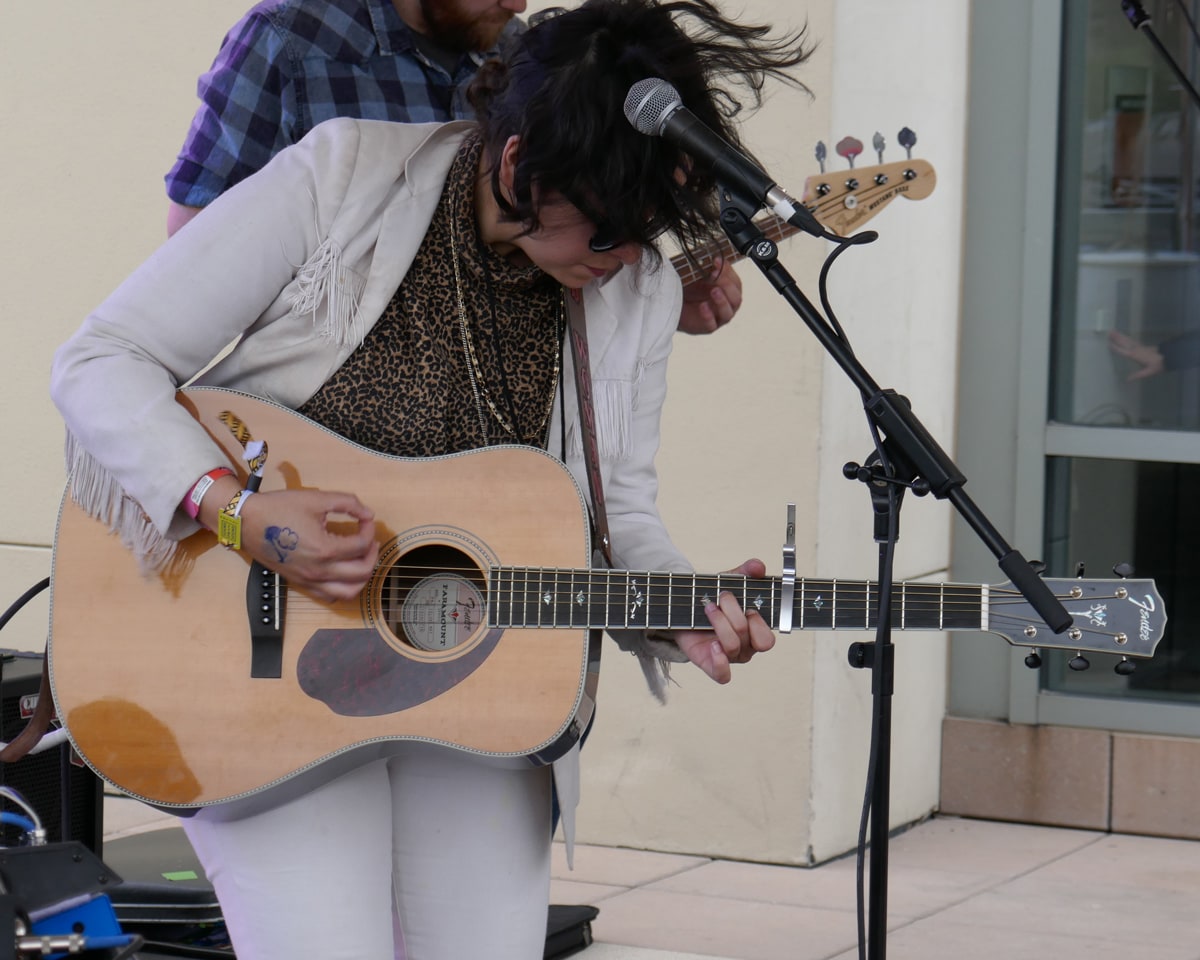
[
  {"x": 1105, "y": 512},
  {"x": 1128, "y": 318}
]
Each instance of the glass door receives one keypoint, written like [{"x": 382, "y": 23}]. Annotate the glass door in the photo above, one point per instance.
[{"x": 1123, "y": 442}]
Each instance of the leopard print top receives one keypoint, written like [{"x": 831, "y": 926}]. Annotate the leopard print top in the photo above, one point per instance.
[{"x": 407, "y": 390}]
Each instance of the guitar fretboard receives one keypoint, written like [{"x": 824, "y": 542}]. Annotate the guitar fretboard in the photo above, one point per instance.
[
  {"x": 531, "y": 597},
  {"x": 700, "y": 264}
]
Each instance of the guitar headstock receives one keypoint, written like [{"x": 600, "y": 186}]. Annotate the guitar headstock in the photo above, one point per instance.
[
  {"x": 1122, "y": 617},
  {"x": 843, "y": 200}
]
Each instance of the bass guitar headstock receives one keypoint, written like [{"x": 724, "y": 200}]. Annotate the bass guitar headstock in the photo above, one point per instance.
[
  {"x": 842, "y": 201},
  {"x": 846, "y": 199}
]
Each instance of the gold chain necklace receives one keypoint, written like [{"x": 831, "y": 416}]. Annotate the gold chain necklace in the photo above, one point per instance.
[{"x": 475, "y": 372}]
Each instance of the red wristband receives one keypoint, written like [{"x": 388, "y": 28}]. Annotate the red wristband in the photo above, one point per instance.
[{"x": 191, "y": 503}]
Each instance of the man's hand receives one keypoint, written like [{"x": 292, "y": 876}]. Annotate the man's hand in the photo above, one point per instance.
[
  {"x": 1149, "y": 359},
  {"x": 711, "y": 302}
]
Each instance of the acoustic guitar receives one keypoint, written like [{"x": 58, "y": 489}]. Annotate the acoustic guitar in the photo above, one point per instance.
[{"x": 212, "y": 684}]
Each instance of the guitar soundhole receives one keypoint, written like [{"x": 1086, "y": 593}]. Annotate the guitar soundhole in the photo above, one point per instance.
[{"x": 434, "y": 598}]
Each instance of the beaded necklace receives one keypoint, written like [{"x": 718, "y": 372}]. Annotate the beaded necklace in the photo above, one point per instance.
[{"x": 483, "y": 397}]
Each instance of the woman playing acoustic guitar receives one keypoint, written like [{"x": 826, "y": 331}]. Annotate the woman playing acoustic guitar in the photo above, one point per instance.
[{"x": 407, "y": 287}]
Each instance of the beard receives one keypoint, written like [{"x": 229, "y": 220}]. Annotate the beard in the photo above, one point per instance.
[{"x": 455, "y": 29}]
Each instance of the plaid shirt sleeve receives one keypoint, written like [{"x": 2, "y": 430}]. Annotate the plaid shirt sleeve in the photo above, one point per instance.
[{"x": 247, "y": 114}]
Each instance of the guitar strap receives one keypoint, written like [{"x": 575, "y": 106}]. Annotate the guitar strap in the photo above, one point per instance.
[
  {"x": 573, "y": 298},
  {"x": 38, "y": 724}
]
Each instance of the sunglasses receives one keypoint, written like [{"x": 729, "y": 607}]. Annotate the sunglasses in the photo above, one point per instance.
[{"x": 606, "y": 238}]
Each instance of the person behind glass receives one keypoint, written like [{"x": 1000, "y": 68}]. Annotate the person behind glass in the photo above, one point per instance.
[
  {"x": 1177, "y": 353},
  {"x": 290, "y": 64},
  {"x": 440, "y": 254}
]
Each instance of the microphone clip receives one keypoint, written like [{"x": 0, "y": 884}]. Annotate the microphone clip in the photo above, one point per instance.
[{"x": 742, "y": 231}]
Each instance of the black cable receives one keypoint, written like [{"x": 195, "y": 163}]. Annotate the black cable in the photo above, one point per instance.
[
  {"x": 843, "y": 244},
  {"x": 22, "y": 600}
]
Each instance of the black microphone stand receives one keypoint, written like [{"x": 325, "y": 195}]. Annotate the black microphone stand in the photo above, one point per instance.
[
  {"x": 1139, "y": 19},
  {"x": 907, "y": 457}
]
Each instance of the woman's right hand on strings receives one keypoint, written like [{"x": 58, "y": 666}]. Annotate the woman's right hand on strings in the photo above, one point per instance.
[{"x": 323, "y": 542}]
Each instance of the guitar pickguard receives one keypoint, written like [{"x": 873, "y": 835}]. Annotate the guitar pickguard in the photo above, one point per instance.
[
  {"x": 357, "y": 674},
  {"x": 425, "y": 603}
]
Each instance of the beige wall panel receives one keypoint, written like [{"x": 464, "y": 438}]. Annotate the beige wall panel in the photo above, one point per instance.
[
  {"x": 94, "y": 109},
  {"x": 895, "y": 64},
  {"x": 726, "y": 770}
]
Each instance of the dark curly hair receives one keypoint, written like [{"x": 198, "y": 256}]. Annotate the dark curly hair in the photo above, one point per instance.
[{"x": 561, "y": 89}]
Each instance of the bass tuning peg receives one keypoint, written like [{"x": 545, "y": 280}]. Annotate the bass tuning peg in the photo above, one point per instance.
[{"x": 848, "y": 148}]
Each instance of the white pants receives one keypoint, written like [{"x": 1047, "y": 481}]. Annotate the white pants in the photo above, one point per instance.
[{"x": 459, "y": 848}]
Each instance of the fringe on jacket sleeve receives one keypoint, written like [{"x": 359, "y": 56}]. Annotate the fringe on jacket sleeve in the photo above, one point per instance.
[
  {"x": 99, "y": 495},
  {"x": 654, "y": 654}
]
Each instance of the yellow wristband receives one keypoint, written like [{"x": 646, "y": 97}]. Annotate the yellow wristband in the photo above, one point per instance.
[{"x": 229, "y": 521}]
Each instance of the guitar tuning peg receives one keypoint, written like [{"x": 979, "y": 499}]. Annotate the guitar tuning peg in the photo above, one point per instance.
[
  {"x": 849, "y": 148},
  {"x": 1079, "y": 568},
  {"x": 907, "y": 139},
  {"x": 879, "y": 143},
  {"x": 819, "y": 153},
  {"x": 1034, "y": 659},
  {"x": 1125, "y": 667},
  {"x": 1079, "y": 662},
  {"x": 1123, "y": 570},
  {"x": 1038, "y": 566}
]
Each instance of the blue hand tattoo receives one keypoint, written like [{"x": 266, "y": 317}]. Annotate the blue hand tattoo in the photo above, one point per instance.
[{"x": 283, "y": 539}]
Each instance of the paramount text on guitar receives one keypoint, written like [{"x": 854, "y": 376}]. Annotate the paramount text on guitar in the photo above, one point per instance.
[{"x": 212, "y": 685}]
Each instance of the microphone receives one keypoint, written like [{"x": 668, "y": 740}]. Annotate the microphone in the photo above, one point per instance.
[{"x": 655, "y": 108}]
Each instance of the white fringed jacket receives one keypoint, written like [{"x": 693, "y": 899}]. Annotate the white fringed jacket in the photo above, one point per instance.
[
  {"x": 299, "y": 261},
  {"x": 296, "y": 264}
]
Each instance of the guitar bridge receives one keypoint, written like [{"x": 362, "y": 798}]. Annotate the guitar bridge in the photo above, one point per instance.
[{"x": 266, "y": 603}]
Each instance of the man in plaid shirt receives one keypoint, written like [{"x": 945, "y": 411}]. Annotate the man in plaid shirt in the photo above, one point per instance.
[{"x": 290, "y": 64}]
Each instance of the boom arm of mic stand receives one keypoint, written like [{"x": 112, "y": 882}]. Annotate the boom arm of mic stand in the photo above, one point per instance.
[
  {"x": 890, "y": 411},
  {"x": 1139, "y": 19}
]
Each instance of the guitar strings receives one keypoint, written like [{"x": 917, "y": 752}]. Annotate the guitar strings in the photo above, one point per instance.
[
  {"x": 507, "y": 583},
  {"x": 564, "y": 585},
  {"x": 304, "y": 609},
  {"x": 519, "y": 582}
]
